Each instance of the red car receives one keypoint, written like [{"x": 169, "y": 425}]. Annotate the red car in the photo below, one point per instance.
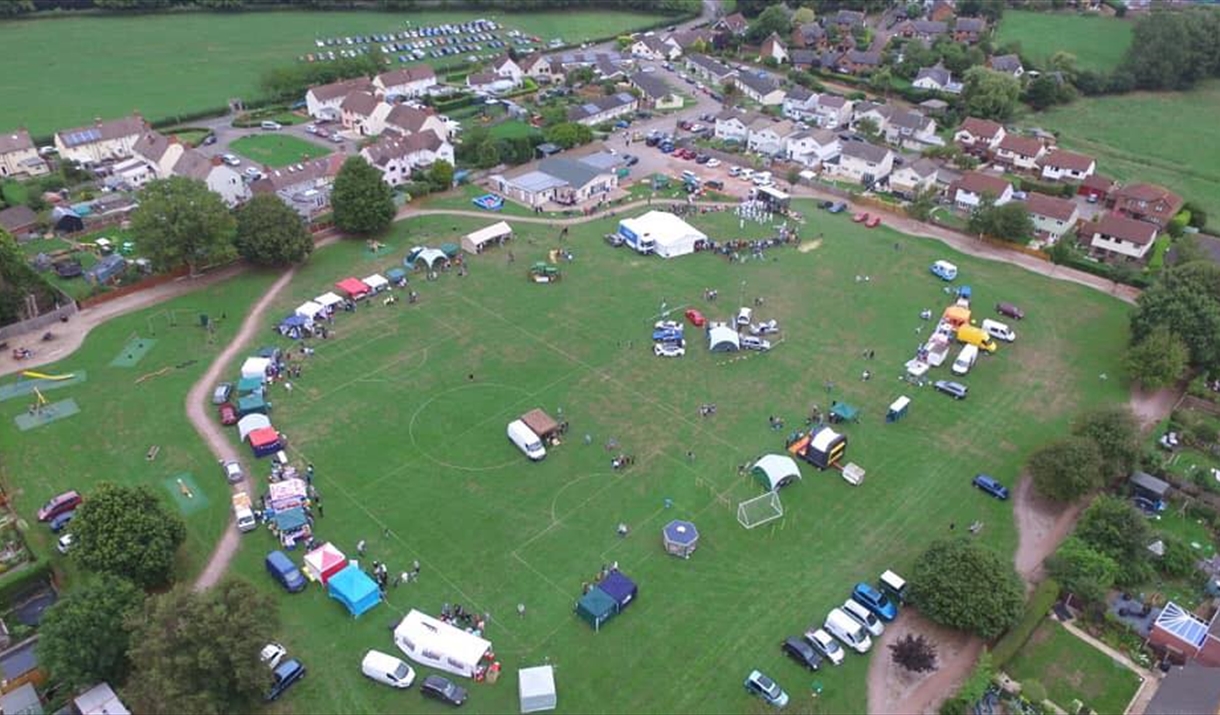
[
  {"x": 228, "y": 414},
  {"x": 873, "y": 222},
  {"x": 61, "y": 504},
  {"x": 860, "y": 217},
  {"x": 695, "y": 317}
]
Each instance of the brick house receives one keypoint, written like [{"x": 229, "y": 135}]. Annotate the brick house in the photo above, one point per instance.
[
  {"x": 1147, "y": 202},
  {"x": 1020, "y": 152},
  {"x": 979, "y": 136},
  {"x": 1114, "y": 235}
]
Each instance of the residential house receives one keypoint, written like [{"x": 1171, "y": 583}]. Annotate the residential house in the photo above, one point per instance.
[
  {"x": 911, "y": 129},
  {"x": 482, "y": 81},
  {"x": 1007, "y": 64},
  {"x": 941, "y": 11},
  {"x": 689, "y": 39},
  {"x": 606, "y": 69},
  {"x": 160, "y": 151},
  {"x": 1052, "y": 216},
  {"x": 979, "y": 136},
  {"x": 652, "y": 47},
  {"x": 864, "y": 163},
  {"x": 406, "y": 120},
  {"x": 567, "y": 61},
  {"x": 18, "y": 220},
  {"x": 773, "y": 49},
  {"x": 1114, "y": 235},
  {"x": 846, "y": 20},
  {"x": 914, "y": 177},
  {"x": 929, "y": 30},
  {"x": 859, "y": 62},
  {"x": 100, "y": 700},
  {"x": 507, "y": 68},
  {"x": 878, "y": 114},
  {"x": 101, "y": 142},
  {"x": 604, "y": 109},
  {"x": 732, "y": 125},
  {"x": 397, "y": 156},
  {"x": 18, "y": 157},
  {"x": 1194, "y": 689},
  {"x": 969, "y": 29},
  {"x": 814, "y": 147},
  {"x": 412, "y": 81},
  {"x": 708, "y": 69},
  {"x": 811, "y": 35},
  {"x": 655, "y": 92},
  {"x": 305, "y": 186},
  {"x": 768, "y": 137},
  {"x": 969, "y": 190},
  {"x": 735, "y": 24},
  {"x": 558, "y": 179},
  {"x": 220, "y": 179},
  {"x": 1067, "y": 165},
  {"x": 129, "y": 174},
  {"x": 937, "y": 79},
  {"x": 1097, "y": 189},
  {"x": 1147, "y": 202},
  {"x": 1020, "y": 152},
  {"x": 833, "y": 111},
  {"x": 764, "y": 89},
  {"x": 803, "y": 59},
  {"x": 363, "y": 113},
  {"x": 799, "y": 103},
  {"x": 539, "y": 68},
  {"x": 323, "y": 101}
]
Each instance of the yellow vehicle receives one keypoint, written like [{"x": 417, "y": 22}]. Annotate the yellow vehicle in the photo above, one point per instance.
[{"x": 971, "y": 335}]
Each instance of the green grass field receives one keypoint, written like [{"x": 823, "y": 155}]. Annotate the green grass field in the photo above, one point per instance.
[
  {"x": 1099, "y": 43},
  {"x": 1069, "y": 668},
  {"x": 276, "y": 150},
  {"x": 166, "y": 65},
  {"x": 1171, "y": 139},
  {"x": 513, "y": 129},
  {"x": 411, "y": 454}
]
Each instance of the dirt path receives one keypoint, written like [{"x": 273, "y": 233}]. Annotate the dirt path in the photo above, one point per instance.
[{"x": 1152, "y": 407}]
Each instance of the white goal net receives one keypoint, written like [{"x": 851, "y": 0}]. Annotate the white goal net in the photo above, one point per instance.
[{"x": 760, "y": 510}]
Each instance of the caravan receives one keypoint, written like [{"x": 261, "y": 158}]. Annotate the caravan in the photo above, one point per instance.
[{"x": 436, "y": 644}]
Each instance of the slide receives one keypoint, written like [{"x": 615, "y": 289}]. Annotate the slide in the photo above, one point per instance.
[{"x": 41, "y": 376}]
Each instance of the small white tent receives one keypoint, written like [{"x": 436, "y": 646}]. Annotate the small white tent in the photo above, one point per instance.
[
  {"x": 255, "y": 367},
  {"x": 309, "y": 309},
  {"x": 776, "y": 470},
  {"x": 536, "y": 688},
  {"x": 328, "y": 300},
  {"x": 376, "y": 282},
  {"x": 671, "y": 235},
  {"x": 436, "y": 644}
]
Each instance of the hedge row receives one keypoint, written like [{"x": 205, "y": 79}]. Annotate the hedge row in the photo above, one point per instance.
[{"x": 1039, "y": 605}]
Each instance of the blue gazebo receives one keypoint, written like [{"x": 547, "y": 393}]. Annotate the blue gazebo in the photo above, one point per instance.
[
  {"x": 354, "y": 589},
  {"x": 681, "y": 538}
]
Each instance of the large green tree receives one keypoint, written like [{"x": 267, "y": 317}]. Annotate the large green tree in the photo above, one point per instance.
[
  {"x": 1114, "y": 429},
  {"x": 181, "y": 222},
  {"x": 962, "y": 584},
  {"x": 197, "y": 652},
  {"x": 270, "y": 233},
  {"x": 1113, "y": 527},
  {"x": 18, "y": 280},
  {"x": 83, "y": 638},
  {"x": 1186, "y": 301},
  {"x": 1009, "y": 221},
  {"x": 773, "y": 19},
  {"x": 988, "y": 94},
  {"x": 127, "y": 532},
  {"x": 440, "y": 175},
  {"x": 568, "y": 134},
  {"x": 1159, "y": 359},
  {"x": 1174, "y": 50},
  {"x": 1082, "y": 570},
  {"x": 1066, "y": 470},
  {"x": 362, "y": 202}
]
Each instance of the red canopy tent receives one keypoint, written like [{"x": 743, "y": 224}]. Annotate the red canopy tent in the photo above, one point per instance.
[
  {"x": 354, "y": 288},
  {"x": 265, "y": 441},
  {"x": 324, "y": 562}
]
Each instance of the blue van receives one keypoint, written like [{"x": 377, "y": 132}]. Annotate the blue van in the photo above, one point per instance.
[{"x": 283, "y": 570}]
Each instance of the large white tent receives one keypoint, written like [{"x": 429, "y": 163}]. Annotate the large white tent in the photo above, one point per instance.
[
  {"x": 671, "y": 235},
  {"x": 536, "y": 688},
  {"x": 376, "y": 282},
  {"x": 255, "y": 367},
  {"x": 721, "y": 338},
  {"x": 436, "y": 644},
  {"x": 475, "y": 241}
]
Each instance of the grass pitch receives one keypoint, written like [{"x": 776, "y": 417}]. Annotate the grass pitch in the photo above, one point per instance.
[
  {"x": 1099, "y": 43},
  {"x": 275, "y": 150}
]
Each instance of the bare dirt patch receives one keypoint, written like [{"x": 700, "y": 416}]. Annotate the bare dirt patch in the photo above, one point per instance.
[
  {"x": 892, "y": 689},
  {"x": 810, "y": 245}
]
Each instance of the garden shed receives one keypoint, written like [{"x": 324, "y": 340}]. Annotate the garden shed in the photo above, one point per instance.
[
  {"x": 354, "y": 589},
  {"x": 475, "y": 241},
  {"x": 596, "y": 607},
  {"x": 1147, "y": 486},
  {"x": 774, "y": 471},
  {"x": 536, "y": 688}
]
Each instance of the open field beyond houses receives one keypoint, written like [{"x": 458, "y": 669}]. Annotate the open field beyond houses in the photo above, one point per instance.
[
  {"x": 1098, "y": 43},
  {"x": 404, "y": 411}
]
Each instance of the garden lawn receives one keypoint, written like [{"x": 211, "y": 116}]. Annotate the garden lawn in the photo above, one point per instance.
[
  {"x": 173, "y": 64},
  {"x": 190, "y": 137},
  {"x": 1072, "y": 669},
  {"x": 1099, "y": 43},
  {"x": 403, "y": 414},
  {"x": 1170, "y": 138},
  {"x": 512, "y": 129},
  {"x": 275, "y": 149}
]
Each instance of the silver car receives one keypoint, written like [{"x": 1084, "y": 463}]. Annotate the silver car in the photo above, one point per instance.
[{"x": 232, "y": 470}]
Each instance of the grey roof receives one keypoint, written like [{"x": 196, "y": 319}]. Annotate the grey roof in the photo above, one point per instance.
[
  {"x": 1146, "y": 481},
  {"x": 715, "y": 67},
  {"x": 652, "y": 86},
  {"x": 970, "y": 24},
  {"x": 802, "y": 57},
  {"x": 535, "y": 181},
  {"x": 801, "y": 94},
  {"x": 760, "y": 84},
  {"x": 864, "y": 150},
  {"x": 597, "y": 105},
  {"x": 869, "y": 58},
  {"x": 811, "y": 32},
  {"x": 102, "y": 131},
  {"x": 362, "y": 103},
  {"x": 478, "y": 79},
  {"x": 572, "y": 172},
  {"x": 193, "y": 164},
  {"x": 929, "y": 27},
  {"x": 16, "y": 218},
  {"x": 909, "y": 120},
  {"x": 849, "y": 17},
  {"x": 1188, "y": 690},
  {"x": 1006, "y": 63},
  {"x": 152, "y": 146},
  {"x": 21, "y": 701},
  {"x": 602, "y": 161},
  {"x": 832, "y": 101},
  {"x": 407, "y": 75},
  {"x": 342, "y": 88},
  {"x": 17, "y": 140},
  {"x": 923, "y": 167},
  {"x": 937, "y": 74}
]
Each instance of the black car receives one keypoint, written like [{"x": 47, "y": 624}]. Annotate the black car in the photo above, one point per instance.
[
  {"x": 956, "y": 390},
  {"x": 825, "y": 205},
  {"x": 286, "y": 674},
  {"x": 209, "y": 140},
  {"x": 802, "y": 652},
  {"x": 703, "y": 158},
  {"x": 631, "y": 160},
  {"x": 438, "y": 688}
]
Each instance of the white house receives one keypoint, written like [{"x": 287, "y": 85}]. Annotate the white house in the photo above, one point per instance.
[
  {"x": 708, "y": 69},
  {"x": 937, "y": 79},
  {"x": 412, "y": 81},
  {"x": 603, "y": 109},
  {"x": 910, "y": 129},
  {"x": 762, "y": 89},
  {"x": 652, "y": 47},
  {"x": 833, "y": 111},
  {"x": 323, "y": 101},
  {"x": 773, "y": 49},
  {"x": 408, "y": 120},
  {"x": 506, "y": 68},
  {"x": 540, "y": 68},
  {"x": 559, "y": 179},
  {"x": 130, "y": 174},
  {"x": 364, "y": 114},
  {"x": 656, "y": 92},
  {"x": 969, "y": 190},
  {"x": 799, "y": 103},
  {"x": 1020, "y": 152},
  {"x": 220, "y": 179},
  {"x": 878, "y": 114},
  {"x": 768, "y": 137},
  {"x": 160, "y": 151},
  {"x": 733, "y": 126},
  {"x": 19, "y": 157},
  {"x": 1060, "y": 164},
  {"x": 102, "y": 141},
  {"x": 814, "y": 147},
  {"x": 1007, "y": 64},
  {"x": 305, "y": 186},
  {"x": 1121, "y": 236},
  {"x": 397, "y": 156},
  {"x": 979, "y": 136},
  {"x": 914, "y": 177},
  {"x": 864, "y": 163},
  {"x": 1052, "y": 216}
]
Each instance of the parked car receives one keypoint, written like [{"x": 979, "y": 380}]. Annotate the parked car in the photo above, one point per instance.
[
  {"x": 989, "y": 485},
  {"x": 60, "y": 522},
  {"x": 802, "y": 652},
  {"x": 734, "y": 171},
  {"x": 713, "y": 162},
  {"x": 253, "y": 173},
  {"x": 631, "y": 160},
  {"x": 874, "y": 600},
  {"x": 864, "y": 617},
  {"x": 669, "y": 349},
  {"x": 270, "y": 126},
  {"x": 286, "y": 674},
  {"x": 666, "y": 335},
  {"x": 825, "y": 205},
  {"x": 695, "y": 317},
  {"x": 272, "y": 654},
  {"x": 827, "y": 646},
  {"x": 838, "y": 207},
  {"x": 336, "y": 138},
  {"x": 311, "y": 128},
  {"x": 209, "y": 140},
  {"x": 228, "y": 414},
  {"x": 64, "y": 545},
  {"x": 232, "y": 470},
  {"x": 385, "y": 668},
  {"x": 1009, "y": 310},
  {"x": 753, "y": 342},
  {"x": 956, "y": 390},
  {"x": 702, "y": 158},
  {"x": 766, "y": 688},
  {"x": 284, "y": 571},
  {"x": 860, "y": 217},
  {"x": 230, "y": 160},
  {"x": 67, "y": 501},
  {"x": 442, "y": 689},
  {"x": 222, "y": 393},
  {"x": 715, "y": 184},
  {"x": 873, "y": 222}
]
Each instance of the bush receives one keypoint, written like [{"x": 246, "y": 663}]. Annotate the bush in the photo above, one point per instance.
[{"x": 1044, "y": 596}]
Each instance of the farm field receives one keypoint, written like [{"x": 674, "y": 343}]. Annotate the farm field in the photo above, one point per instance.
[
  {"x": 275, "y": 150},
  {"x": 1099, "y": 43},
  {"x": 1171, "y": 139},
  {"x": 403, "y": 416},
  {"x": 1069, "y": 668},
  {"x": 169, "y": 65}
]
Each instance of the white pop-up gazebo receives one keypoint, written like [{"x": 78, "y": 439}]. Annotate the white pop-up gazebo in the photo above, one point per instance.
[
  {"x": 536, "y": 688},
  {"x": 376, "y": 282},
  {"x": 328, "y": 300},
  {"x": 255, "y": 367},
  {"x": 309, "y": 310}
]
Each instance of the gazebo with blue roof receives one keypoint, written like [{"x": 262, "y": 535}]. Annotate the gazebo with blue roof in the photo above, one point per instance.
[{"x": 681, "y": 538}]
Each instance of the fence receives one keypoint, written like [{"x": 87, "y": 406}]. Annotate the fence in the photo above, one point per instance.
[
  {"x": 38, "y": 323},
  {"x": 145, "y": 284}
]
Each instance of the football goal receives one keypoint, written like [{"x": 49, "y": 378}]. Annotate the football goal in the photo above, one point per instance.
[{"x": 760, "y": 510}]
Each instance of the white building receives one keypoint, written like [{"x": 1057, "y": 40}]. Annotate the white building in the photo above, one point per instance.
[
  {"x": 914, "y": 177},
  {"x": 863, "y": 163},
  {"x": 323, "y": 101},
  {"x": 1052, "y": 216},
  {"x": 969, "y": 191},
  {"x": 1064, "y": 165},
  {"x": 507, "y": 68},
  {"x": 159, "y": 150},
  {"x": 763, "y": 89},
  {"x": 412, "y": 81},
  {"x": 220, "y": 179},
  {"x": 604, "y": 109},
  {"x": 397, "y": 156},
  {"x": 101, "y": 142},
  {"x": 18, "y": 156},
  {"x": 1116, "y": 235},
  {"x": 813, "y": 148},
  {"x": 768, "y": 137},
  {"x": 364, "y": 114}
]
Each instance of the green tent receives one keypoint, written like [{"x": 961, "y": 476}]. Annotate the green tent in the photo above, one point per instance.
[
  {"x": 596, "y": 607},
  {"x": 450, "y": 249},
  {"x": 660, "y": 181},
  {"x": 250, "y": 404},
  {"x": 247, "y": 385},
  {"x": 843, "y": 412}
]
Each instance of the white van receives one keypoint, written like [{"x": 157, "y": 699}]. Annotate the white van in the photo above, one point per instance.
[
  {"x": 965, "y": 360},
  {"x": 999, "y": 330},
  {"x": 864, "y": 617},
  {"x": 763, "y": 178},
  {"x": 525, "y": 439},
  {"x": 387, "y": 669},
  {"x": 846, "y": 629},
  {"x": 688, "y": 175}
]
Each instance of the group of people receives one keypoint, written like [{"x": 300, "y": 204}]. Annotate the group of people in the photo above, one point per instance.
[
  {"x": 707, "y": 409},
  {"x": 459, "y": 617},
  {"x": 622, "y": 461}
]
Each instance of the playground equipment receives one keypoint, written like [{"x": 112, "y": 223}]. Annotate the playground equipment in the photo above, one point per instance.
[
  {"x": 489, "y": 202},
  {"x": 43, "y": 376}
]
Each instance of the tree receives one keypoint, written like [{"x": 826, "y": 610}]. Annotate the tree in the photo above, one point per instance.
[
  {"x": 83, "y": 638},
  {"x": 1117, "y": 435},
  {"x": 962, "y": 584},
  {"x": 882, "y": 81},
  {"x": 922, "y": 205},
  {"x": 19, "y": 280},
  {"x": 1010, "y": 222},
  {"x": 1186, "y": 301},
  {"x": 773, "y": 19},
  {"x": 362, "y": 202},
  {"x": 127, "y": 532},
  {"x": 1043, "y": 92},
  {"x": 794, "y": 176},
  {"x": 181, "y": 222},
  {"x": 989, "y": 94},
  {"x": 1066, "y": 470},
  {"x": 1179, "y": 560},
  {"x": 867, "y": 128},
  {"x": 198, "y": 652},
  {"x": 1158, "y": 360},
  {"x": 803, "y": 16},
  {"x": 1082, "y": 570},
  {"x": 440, "y": 175},
  {"x": 989, "y": 9},
  {"x": 1061, "y": 61},
  {"x": 568, "y": 134},
  {"x": 270, "y": 233},
  {"x": 1113, "y": 527},
  {"x": 915, "y": 653}
]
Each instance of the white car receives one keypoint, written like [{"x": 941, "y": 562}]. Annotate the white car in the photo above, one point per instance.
[
  {"x": 746, "y": 175},
  {"x": 864, "y": 617},
  {"x": 712, "y": 163},
  {"x": 232, "y": 470},
  {"x": 336, "y": 138},
  {"x": 311, "y": 128},
  {"x": 669, "y": 349},
  {"x": 231, "y": 160},
  {"x": 272, "y": 654},
  {"x": 751, "y": 342},
  {"x": 64, "y": 544},
  {"x": 826, "y": 645},
  {"x": 669, "y": 325},
  {"x": 765, "y": 328}
]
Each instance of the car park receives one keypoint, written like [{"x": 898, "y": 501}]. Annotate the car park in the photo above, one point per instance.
[
  {"x": 875, "y": 601},
  {"x": 864, "y": 617},
  {"x": 285, "y": 676},
  {"x": 442, "y": 689},
  {"x": 232, "y": 470},
  {"x": 990, "y": 486},
  {"x": 956, "y": 390},
  {"x": 766, "y": 688},
  {"x": 222, "y": 393},
  {"x": 61, "y": 522},
  {"x": 669, "y": 349},
  {"x": 802, "y": 652},
  {"x": 827, "y": 646},
  {"x": 58, "y": 505}
]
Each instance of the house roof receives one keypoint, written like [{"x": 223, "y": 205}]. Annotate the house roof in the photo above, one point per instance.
[
  {"x": 528, "y": 63},
  {"x": 102, "y": 131},
  {"x": 938, "y": 74},
  {"x": 1181, "y": 624},
  {"x": 597, "y": 105},
  {"x": 770, "y": 44},
  {"x": 978, "y": 183},
  {"x": 870, "y": 58},
  {"x": 923, "y": 167},
  {"x": 342, "y": 88},
  {"x": 1141, "y": 233},
  {"x": 981, "y": 128},
  {"x": 311, "y": 171},
  {"x": 1188, "y": 690},
  {"x": 811, "y": 32},
  {"x": 16, "y": 140},
  {"x": 715, "y": 67},
  {"x": 1149, "y": 193},
  {"x": 572, "y": 172},
  {"x": 686, "y": 38},
  {"x": 1050, "y": 206},
  {"x": 407, "y": 119},
  {"x": 193, "y": 164},
  {"x": 821, "y": 137},
  {"x": 606, "y": 68},
  {"x": 735, "y": 23},
  {"x": 970, "y": 24},
  {"x": 1017, "y": 144},
  {"x": 406, "y": 75},
  {"x": 16, "y": 218},
  {"x": 1068, "y": 160},
  {"x": 848, "y": 17},
  {"x": 1098, "y": 182},
  {"x": 910, "y": 119},
  {"x": 922, "y": 27},
  {"x": 502, "y": 61},
  {"x": 152, "y": 146},
  {"x": 362, "y": 103},
  {"x": 1005, "y": 63},
  {"x": 656, "y": 44},
  {"x": 478, "y": 79},
  {"x": 863, "y": 150},
  {"x": 800, "y": 94},
  {"x": 832, "y": 101},
  {"x": 392, "y": 147},
  {"x": 761, "y": 85},
  {"x": 652, "y": 86},
  {"x": 802, "y": 57}
]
